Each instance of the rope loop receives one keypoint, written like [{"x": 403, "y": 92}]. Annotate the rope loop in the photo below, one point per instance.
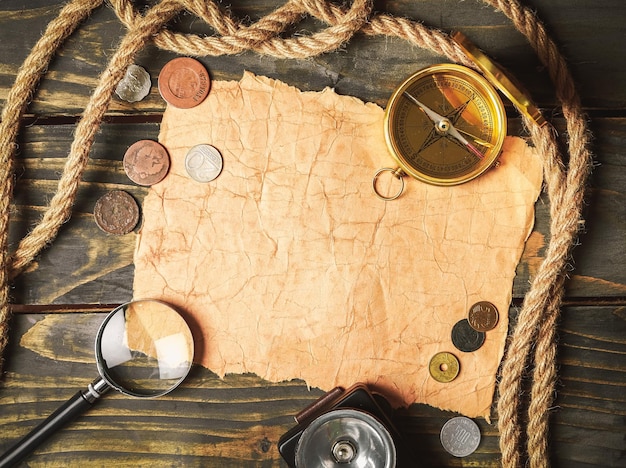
[{"x": 263, "y": 36}]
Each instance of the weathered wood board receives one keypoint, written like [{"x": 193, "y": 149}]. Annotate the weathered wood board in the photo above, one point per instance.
[
  {"x": 237, "y": 421},
  {"x": 100, "y": 269}
]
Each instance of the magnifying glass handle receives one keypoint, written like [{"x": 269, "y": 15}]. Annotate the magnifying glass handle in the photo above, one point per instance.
[{"x": 76, "y": 405}]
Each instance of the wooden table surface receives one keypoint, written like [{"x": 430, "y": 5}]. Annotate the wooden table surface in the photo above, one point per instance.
[{"x": 237, "y": 421}]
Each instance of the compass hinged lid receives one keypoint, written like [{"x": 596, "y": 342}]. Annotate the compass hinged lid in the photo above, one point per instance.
[{"x": 501, "y": 80}]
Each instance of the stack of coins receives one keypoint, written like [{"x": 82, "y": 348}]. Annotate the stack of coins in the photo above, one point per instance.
[{"x": 468, "y": 334}]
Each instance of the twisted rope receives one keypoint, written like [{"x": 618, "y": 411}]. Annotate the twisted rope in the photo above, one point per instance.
[
  {"x": 533, "y": 341},
  {"x": 537, "y": 320},
  {"x": 26, "y": 81}
]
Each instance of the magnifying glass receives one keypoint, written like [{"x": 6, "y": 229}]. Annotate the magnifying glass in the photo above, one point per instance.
[{"x": 143, "y": 349}]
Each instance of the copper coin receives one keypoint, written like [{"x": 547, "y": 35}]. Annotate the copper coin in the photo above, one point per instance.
[
  {"x": 116, "y": 212},
  {"x": 184, "y": 82},
  {"x": 465, "y": 338},
  {"x": 444, "y": 367},
  {"x": 146, "y": 162},
  {"x": 483, "y": 316}
]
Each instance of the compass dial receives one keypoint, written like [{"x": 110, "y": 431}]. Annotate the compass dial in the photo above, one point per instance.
[{"x": 445, "y": 125}]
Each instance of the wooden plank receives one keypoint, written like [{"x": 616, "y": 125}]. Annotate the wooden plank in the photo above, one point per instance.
[
  {"x": 85, "y": 265},
  {"x": 588, "y": 419},
  {"x": 237, "y": 421},
  {"x": 600, "y": 259},
  {"x": 369, "y": 67}
]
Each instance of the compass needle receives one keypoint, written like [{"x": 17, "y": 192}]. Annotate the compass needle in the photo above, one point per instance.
[
  {"x": 474, "y": 150},
  {"x": 477, "y": 140},
  {"x": 471, "y": 148},
  {"x": 444, "y": 125},
  {"x": 432, "y": 115}
]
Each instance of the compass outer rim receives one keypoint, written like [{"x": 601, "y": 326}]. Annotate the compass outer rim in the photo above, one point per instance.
[{"x": 499, "y": 118}]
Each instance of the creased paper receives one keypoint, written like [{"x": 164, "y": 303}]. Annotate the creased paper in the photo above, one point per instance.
[{"x": 290, "y": 267}]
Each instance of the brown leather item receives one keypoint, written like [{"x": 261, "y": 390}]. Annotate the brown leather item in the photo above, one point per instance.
[{"x": 290, "y": 267}]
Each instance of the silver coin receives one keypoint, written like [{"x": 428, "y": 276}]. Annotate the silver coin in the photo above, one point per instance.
[
  {"x": 135, "y": 85},
  {"x": 203, "y": 163},
  {"x": 460, "y": 436}
]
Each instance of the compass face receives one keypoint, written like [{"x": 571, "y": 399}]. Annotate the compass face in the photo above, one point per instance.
[{"x": 445, "y": 125}]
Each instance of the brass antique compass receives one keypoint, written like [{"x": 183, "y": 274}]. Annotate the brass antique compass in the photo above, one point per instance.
[{"x": 445, "y": 125}]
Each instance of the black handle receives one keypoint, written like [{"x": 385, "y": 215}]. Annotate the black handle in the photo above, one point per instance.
[{"x": 68, "y": 411}]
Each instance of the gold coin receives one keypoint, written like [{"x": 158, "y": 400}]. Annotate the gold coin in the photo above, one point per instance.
[{"x": 444, "y": 367}]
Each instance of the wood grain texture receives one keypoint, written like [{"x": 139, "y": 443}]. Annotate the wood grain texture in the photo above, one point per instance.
[
  {"x": 87, "y": 265},
  {"x": 368, "y": 68},
  {"x": 237, "y": 421}
]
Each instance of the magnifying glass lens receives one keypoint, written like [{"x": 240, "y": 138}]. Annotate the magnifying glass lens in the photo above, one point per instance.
[{"x": 144, "y": 349}]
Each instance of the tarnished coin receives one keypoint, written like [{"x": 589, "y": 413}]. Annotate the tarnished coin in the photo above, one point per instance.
[
  {"x": 116, "y": 212},
  {"x": 465, "y": 338},
  {"x": 483, "y": 316},
  {"x": 444, "y": 367},
  {"x": 146, "y": 162},
  {"x": 203, "y": 163},
  {"x": 460, "y": 436},
  {"x": 184, "y": 82},
  {"x": 135, "y": 85}
]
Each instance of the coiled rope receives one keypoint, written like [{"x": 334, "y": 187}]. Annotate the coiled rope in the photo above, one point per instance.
[{"x": 532, "y": 341}]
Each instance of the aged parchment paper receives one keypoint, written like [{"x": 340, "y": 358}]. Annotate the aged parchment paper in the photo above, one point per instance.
[{"x": 290, "y": 267}]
